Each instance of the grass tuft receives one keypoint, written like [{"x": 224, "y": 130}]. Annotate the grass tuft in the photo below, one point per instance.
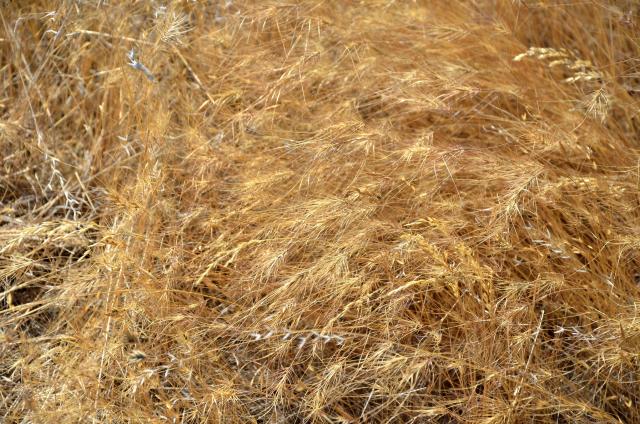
[{"x": 329, "y": 212}]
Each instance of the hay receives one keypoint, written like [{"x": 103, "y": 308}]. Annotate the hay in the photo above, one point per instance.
[{"x": 319, "y": 211}]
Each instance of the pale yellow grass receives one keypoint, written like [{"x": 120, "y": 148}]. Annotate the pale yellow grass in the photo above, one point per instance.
[{"x": 319, "y": 211}]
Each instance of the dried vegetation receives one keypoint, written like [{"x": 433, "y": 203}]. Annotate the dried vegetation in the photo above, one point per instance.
[{"x": 319, "y": 211}]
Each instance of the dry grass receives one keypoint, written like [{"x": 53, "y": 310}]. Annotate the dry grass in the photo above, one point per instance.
[{"x": 319, "y": 211}]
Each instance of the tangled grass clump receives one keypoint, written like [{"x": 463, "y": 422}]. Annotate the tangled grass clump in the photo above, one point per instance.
[{"x": 319, "y": 211}]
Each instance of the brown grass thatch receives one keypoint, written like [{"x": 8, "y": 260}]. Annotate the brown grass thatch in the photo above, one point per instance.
[{"x": 319, "y": 211}]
